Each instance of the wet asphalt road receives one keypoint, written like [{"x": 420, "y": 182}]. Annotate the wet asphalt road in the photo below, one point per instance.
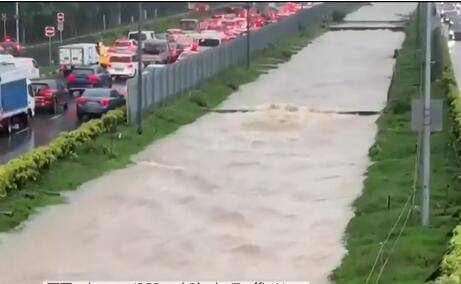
[{"x": 42, "y": 129}]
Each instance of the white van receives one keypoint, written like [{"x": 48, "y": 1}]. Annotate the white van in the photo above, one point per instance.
[
  {"x": 144, "y": 35},
  {"x": 123, "y": 65},
  {"x": 189, "y": 25},
  {"x": 28, "y": 65},
  {"x": 210, "y": 39},
  {"x": 79, "y": 54}
]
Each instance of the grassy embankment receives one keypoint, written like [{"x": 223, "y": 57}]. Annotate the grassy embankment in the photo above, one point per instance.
[
  {"x": 411, "y": 255},
  {"x": 108, "y": 152}
]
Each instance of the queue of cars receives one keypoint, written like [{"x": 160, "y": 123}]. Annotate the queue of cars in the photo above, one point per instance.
[{"x": 89, "y": 68}]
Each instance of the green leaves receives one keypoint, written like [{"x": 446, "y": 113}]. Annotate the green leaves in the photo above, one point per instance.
[{"x": 28, "y": 167}]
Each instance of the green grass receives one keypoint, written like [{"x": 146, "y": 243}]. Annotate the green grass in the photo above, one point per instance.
[
  {"x": 419, "y": 250},
  {"x": 44, "y": 70},
  {"x": 108, "y": 152}
]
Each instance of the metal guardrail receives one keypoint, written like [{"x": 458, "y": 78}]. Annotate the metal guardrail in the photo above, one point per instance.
[{"x": 162, "y": 83}]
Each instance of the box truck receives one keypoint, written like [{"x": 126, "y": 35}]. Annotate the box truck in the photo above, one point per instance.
[
  {"x": 16, "y": 101},
  {"x": 79, "y": 54}
]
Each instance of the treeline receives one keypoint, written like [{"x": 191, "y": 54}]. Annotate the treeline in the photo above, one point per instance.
[{"x": 80, "y": 17}]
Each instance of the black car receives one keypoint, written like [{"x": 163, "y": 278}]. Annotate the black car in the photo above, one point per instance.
[
  {"x": 98, "y": 101},
  {"x": 50, "y": 94},
  {"x": 87, "y": 77}
]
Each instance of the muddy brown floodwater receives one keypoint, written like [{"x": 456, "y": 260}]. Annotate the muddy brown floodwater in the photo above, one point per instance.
[{"x": 261, "y": 195}]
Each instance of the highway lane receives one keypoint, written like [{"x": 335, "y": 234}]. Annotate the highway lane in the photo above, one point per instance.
[{"x": 43, "y": 129}]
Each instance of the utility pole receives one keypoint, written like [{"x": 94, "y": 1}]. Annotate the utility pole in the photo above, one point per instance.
[
  {"x": 139, "y": 98},
  {"x": 248, "y": 35},
  {"x": 104, "y": 23},
  {"x": 427, "y": 119},
  {"x": 17, "y": 21},
  {"x": 4, "y": 24}
]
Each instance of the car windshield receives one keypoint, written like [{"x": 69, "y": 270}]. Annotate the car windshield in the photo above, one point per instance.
[
  {"x": 120, "y": 59},
  {"x": 209, "y": 42},
  {"x": 82, "y": 71},
  {"x": 188, "y": 25},
  {"x": 96, "y": 93},
  {"x": 134, "y": 36},
  {"x": 36, "y": 87}
]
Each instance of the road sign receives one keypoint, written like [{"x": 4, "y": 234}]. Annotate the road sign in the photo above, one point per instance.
[
  {"x": 49, "y": 31},
  {"x": 60, "y": 17},
  {"x": 60, "y": 26}
]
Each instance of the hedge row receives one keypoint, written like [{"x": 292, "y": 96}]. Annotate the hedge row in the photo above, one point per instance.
[
  {"x": 27, "y": 167},
  {"x": 450, "y": 267}
]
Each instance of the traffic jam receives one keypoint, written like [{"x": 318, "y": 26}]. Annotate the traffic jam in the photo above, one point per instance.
[{"x": 89, "y": 75}]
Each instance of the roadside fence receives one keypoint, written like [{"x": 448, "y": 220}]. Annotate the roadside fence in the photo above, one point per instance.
[{"x": 161, "y": 83}]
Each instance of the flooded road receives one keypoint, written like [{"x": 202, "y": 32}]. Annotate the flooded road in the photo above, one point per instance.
[{"x": 260, "y": 195}]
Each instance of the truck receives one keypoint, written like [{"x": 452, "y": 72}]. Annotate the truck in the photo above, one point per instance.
[
  {"x": 16, "y": 102},
  {"x": 79, "y": 54}
]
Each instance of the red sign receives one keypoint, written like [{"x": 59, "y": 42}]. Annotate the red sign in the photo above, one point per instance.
[
  {"x": 49, "y": 31},
  {"x": 60, "y": 17}
]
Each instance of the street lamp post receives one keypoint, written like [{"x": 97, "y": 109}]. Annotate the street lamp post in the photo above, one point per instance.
[{"x": 139, "y": 103}]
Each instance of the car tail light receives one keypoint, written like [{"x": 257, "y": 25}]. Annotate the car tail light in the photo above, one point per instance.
[
  {"x": 70, "y": 78},
  {"x": 109, "y": 65},
  {"x": 80, "y": 100},
  {"x": 92, "y": 78},
  {"x": 46, "y": 92},
  {"x": 130, "y": 65},
  {"x": 104, "y": 101}
]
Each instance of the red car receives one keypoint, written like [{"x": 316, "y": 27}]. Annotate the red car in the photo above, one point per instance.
[
  {"x": 11, "y": 46},
  {"x": 123, "y": 45},
  {"x": 50, "y": 94}
]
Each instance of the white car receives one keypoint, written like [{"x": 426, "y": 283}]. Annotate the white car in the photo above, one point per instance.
[{"x": 125, "y": 65}]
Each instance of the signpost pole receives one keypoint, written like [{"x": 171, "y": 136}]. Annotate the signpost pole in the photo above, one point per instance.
[
  {"x": 17, "y": 21},
  {"x": 104, "y": 23},
  {"x": 4, "y": 24},
  {"x": 49, "y": 49},
  {"x": 49, "y": 32}
]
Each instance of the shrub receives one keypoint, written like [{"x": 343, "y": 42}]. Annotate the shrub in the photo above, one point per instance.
[{"x": 15, "y": 173}]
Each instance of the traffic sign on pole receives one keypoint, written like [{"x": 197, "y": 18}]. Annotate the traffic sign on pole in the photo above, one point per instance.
[
  {"x": 60, "y": 17},
  {"x": 49, "y": 31}
]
